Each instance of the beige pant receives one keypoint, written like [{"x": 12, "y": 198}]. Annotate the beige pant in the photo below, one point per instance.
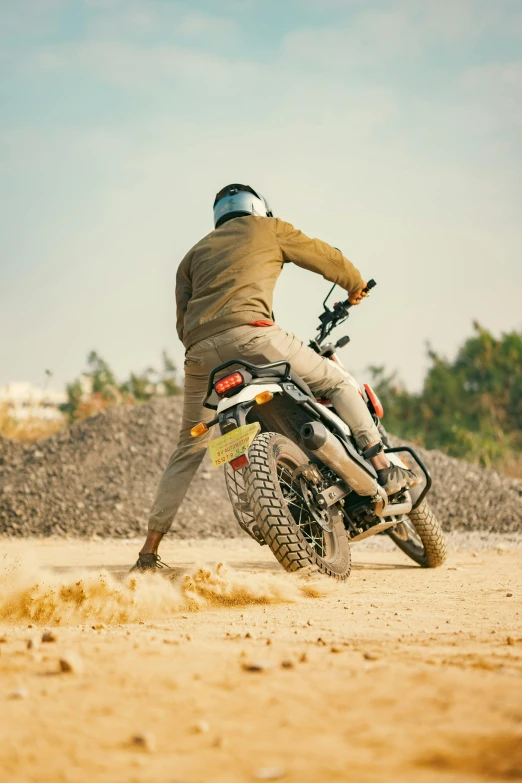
[{"x": 259, "y": 345}]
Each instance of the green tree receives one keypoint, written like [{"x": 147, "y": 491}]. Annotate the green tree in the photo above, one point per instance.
[
  {"x": 470, "y": 407},
  {"x": 102, "y": 378}
]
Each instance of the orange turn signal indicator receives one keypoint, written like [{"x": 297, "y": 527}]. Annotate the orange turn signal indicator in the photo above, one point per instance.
[
  {"x": 199, "y": 429},
  {"x": 263, "y": 397}
]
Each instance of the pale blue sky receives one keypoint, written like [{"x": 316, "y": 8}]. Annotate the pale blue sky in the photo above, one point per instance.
[{"x": 390, "y": 129}]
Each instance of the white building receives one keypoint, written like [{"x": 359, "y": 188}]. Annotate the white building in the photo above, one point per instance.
[{"x": 26, "y": 401}]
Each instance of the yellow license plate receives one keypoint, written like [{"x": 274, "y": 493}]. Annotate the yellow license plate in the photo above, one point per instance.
[{"x": 232, "y": 444}]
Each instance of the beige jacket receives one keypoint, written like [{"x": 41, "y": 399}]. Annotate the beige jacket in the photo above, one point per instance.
[{"x": 228, "y": 278}]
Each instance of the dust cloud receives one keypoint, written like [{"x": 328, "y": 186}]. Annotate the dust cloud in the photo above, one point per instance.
[{"x": 29, "y": 593}]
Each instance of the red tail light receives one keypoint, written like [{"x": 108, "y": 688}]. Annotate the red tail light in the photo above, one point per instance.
[
  {"x": 229, "y": 382},
  {"x": 375, "y": 402}
]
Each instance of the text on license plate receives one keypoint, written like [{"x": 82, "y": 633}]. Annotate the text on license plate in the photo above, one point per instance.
[{"x": 232, "y": 444}]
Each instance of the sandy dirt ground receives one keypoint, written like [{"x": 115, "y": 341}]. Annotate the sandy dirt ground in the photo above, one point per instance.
[{"x": 244, "y": 673}]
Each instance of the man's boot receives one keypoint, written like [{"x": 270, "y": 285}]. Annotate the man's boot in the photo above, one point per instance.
[
  {"x": 148, "y": 562},
  {"x": 395, "y": 478}
]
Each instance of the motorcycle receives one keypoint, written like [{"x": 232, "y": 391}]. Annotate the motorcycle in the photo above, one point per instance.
[{"x": 297, "y": 480}]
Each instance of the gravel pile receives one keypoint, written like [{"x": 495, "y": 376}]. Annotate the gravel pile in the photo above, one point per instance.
[
  {"x": 99, "y": 478},
  {"x": 468, "y": 497}
]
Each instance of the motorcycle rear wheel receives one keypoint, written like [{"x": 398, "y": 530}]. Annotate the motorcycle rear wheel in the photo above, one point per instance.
[
  {"x": 283, "y": 507},
  {"x": 420, "y": 537}
]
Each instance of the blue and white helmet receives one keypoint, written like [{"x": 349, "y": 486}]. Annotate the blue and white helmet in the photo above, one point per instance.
[{"x": 238, "y": 200}]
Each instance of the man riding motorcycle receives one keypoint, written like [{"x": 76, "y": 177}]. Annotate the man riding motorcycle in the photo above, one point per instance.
[{"x": 224, "y": 292}]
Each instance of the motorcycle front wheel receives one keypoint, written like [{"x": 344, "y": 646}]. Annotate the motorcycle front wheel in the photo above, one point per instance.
[
  {"x": 299, "y": 533},
  {"x": 419, "y": 535}
]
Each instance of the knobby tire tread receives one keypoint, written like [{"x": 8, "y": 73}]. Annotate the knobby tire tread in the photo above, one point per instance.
[
  {"x": 431, "y": 535},
  {"x": 275, "y": 520}
]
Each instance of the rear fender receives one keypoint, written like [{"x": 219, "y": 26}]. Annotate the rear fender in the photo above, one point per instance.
[{"x": 247, "y": 395}]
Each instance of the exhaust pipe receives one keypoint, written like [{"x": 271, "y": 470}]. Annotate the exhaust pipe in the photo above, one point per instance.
[{"x": 329, "y": 450}]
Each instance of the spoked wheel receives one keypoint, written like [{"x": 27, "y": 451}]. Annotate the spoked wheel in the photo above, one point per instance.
[
  {"x": 420, "y": 536},
  {"x": 280, "y": 490},
  {"x": 315, "y": 524}
]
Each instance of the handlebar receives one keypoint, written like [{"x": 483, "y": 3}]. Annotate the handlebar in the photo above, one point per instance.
[
  {"x": 331, "y": 318},
  {"x": 369, "y": 285}
]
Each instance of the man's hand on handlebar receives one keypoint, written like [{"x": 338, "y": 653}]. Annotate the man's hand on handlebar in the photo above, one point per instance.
[{"x": 356, "y": 297}]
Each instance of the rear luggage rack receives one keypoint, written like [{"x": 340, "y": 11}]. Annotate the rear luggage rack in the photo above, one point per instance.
[{"x": 255, "y": 370}]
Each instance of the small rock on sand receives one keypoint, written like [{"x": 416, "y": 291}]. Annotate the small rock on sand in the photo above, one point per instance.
[
  {"x": 71, "y": 663},
  {"x": 202, "y": 727},
  {"x": 256, "y": 666},
  {"x": 48, "y": 636},
  {"x": 145, "y": 741},
  {"x": 19, "y": 693},
  {"x": 269, "y": 773}
]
